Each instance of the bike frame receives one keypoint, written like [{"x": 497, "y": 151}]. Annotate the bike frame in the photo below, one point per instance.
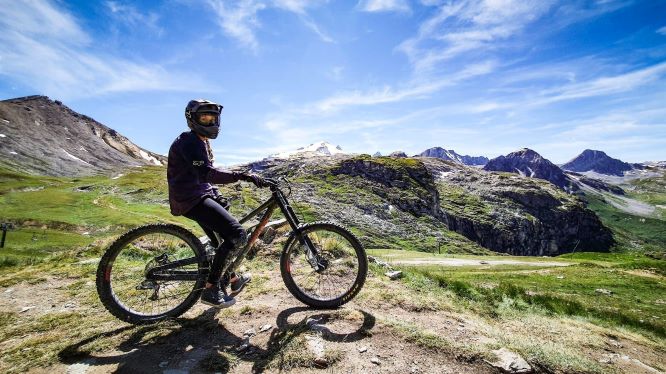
[{"x": 277, "y": 199}]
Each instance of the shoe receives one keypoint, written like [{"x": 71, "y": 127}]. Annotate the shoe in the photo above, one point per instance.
[
  {"x": 214, "y": 297},
  {"x": 239, "y": 284}
]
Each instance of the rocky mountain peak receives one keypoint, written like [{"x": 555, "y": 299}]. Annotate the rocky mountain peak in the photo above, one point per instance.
[
  {"x": 597, "y": 161},
  {"x": 44, "y": 136},
  {"x": 399, "y": 154},
  {"x": 529, "y": 163},
  {"x": 527, "y": 154},
  {"x": 451, "y": 155}
]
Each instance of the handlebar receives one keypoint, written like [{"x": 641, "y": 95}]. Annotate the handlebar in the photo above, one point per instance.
[{"x": 281, "y": 181}]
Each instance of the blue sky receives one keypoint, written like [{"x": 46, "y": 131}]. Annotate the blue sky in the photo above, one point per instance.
[{"x": 480, "y": 77}]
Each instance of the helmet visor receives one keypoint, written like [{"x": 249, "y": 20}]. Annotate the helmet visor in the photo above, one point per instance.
[{"x": 208, "y": 119}]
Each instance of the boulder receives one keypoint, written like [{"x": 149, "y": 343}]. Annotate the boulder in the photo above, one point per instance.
[{"x": 510, "y": 362}]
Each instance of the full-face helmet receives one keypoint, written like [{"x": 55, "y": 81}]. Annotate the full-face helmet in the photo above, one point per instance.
[{"x": 203, "y": 117}]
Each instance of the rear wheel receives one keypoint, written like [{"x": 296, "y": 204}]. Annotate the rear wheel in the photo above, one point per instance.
[
  {"x": 334, "y": 275},
  {"x": 123, "y": 282}
]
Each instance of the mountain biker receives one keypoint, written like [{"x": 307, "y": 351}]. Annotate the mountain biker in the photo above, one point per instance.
[{"x": 190, "y": 174}]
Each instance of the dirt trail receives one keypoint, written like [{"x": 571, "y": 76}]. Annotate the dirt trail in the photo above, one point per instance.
[{"x": 208, "y": 340}]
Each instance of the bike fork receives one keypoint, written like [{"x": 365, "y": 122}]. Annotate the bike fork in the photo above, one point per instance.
[{"x": 312, "y": 255}]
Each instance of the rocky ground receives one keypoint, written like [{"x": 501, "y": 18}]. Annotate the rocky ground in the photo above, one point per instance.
[
  {"x": 387, "y": 329},
  {"x": 267, "y": 330}
]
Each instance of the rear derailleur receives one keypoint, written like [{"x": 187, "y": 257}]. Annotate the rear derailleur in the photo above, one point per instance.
[{"x": 149, "y": 284}]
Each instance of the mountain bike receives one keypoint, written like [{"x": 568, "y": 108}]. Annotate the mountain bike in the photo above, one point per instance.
[{"x": 158, "y": 271}]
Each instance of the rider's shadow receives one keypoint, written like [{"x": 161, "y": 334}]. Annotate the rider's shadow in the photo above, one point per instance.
[
  {"x": 194, "y": 343},
  {"x": 287, "y": 332}
]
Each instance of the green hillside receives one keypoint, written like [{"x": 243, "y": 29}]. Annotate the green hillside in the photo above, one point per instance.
[{"x": 64, "y": 224}]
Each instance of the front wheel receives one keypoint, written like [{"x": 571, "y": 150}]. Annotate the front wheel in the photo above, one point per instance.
[{"x": 329, "y": 276}]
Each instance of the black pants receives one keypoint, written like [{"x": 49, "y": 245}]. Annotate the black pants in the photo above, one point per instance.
[{"x": 212, "y": 217}]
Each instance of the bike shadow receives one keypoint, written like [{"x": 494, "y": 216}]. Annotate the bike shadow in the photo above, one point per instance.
[{"x": 203, "y": 344}]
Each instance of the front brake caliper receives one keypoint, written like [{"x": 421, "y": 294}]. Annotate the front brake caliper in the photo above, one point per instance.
[{"x": 317, "y": 261}]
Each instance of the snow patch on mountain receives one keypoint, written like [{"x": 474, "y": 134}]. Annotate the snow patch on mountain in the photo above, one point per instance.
[
  {"x": 321, "y": 148},
  {"x": 444, "y": 174},
  {"x": 74, "y": 157},
  {"x": 148, "y": 157}
]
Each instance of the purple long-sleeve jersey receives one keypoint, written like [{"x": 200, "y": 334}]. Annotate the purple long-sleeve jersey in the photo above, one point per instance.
[{"x": 190, "y": 173}]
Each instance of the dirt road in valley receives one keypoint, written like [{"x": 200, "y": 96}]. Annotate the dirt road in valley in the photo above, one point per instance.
[{"x": 470, "y": 262}]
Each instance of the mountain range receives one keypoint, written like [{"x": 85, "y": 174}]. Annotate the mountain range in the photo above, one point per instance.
[
  {"x": 389, "y": 199},
  {"x": 43, "y": 136}
]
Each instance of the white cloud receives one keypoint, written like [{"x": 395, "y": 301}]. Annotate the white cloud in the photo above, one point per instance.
[
  {"x": 483, "y": 26},
  {"x": 383, "y": 6},
  {"x": 43, "y": 47},
  {"x": 661, "y": 30},
  {"x": 130, "y": 16},
  {"x": 309, "y": 23},
  {"x": 296, "y": 6},
  {"x": 239, "y": 19},
  {"x": 624, "y": 139},
  {"x": 605, "y": 85},
  {"x": 467, "y": 26},
  {"x": 387, "y": 94},
  {"x": 522, "y": 89},
  {"x": 41, "y": 19}
]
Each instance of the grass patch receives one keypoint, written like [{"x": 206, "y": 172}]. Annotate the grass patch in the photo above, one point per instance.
[
  {"x": 456, "y": 199},
  {"x": 53, "y": 215},
  {"x": 650, "y": 190},
  {"x": 570, "y": 291}
]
